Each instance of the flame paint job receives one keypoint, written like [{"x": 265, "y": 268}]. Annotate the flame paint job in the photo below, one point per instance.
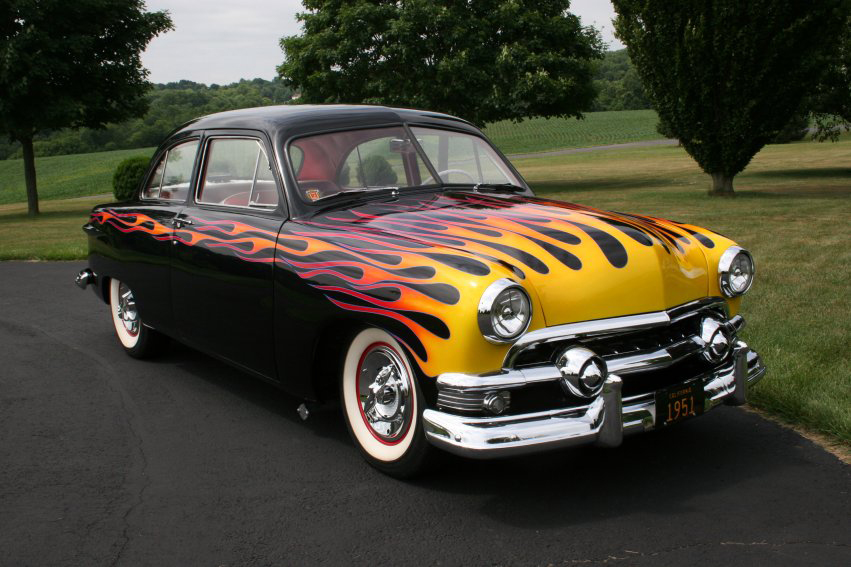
[{"x": 419, "y": 265}]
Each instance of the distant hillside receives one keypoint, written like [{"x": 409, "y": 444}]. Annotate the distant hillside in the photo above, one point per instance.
[{"x": 171, "y": 105}]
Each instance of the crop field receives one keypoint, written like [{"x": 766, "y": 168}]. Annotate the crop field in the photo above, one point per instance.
[
  {"x": 62, "y": 177},
  {"x": 596, "y": 129}
]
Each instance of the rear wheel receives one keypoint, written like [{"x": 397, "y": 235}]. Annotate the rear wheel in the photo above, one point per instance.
[
  {"x": 138, "y": 340},
  {"x": 382, "y": 404}
]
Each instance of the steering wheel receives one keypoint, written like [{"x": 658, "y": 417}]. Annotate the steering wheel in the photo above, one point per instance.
[{"x": 441, "y": 174}]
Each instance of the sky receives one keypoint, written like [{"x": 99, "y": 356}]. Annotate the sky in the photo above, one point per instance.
[{"x": 222, "y": 41}]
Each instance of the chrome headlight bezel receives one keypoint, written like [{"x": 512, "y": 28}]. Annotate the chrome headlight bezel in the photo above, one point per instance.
[
  {"x": 486, "y": 311},
  {"x": 725, "y": 265}
]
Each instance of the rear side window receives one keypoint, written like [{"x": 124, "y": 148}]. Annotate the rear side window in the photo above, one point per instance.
[
  {"x": 237, "y": 173},
  {"x": 173, "y": 173}
]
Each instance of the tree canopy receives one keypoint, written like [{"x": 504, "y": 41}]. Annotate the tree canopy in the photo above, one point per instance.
[
  {"x": 618, "y": 85},
  {"x": 71, "y": 64},
  {"x": 726, "y": 76},
  {"x": 830, "y": 99},
  {"x": 484, "y": 61}
]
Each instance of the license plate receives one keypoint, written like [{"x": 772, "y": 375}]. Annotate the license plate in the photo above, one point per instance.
[{"x": 678, "y": 403}]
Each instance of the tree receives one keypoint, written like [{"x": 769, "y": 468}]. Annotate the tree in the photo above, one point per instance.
[
  {"x": 619, "y": 86},
  {"x": 71, "y": 64},
  {"x": 486, "y": 60},
  {"x": 726, "y": 76},
  {"x": 830, "y": 101}
]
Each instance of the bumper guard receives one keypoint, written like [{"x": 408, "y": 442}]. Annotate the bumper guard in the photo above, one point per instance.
[{"x": 604, "y": 421}]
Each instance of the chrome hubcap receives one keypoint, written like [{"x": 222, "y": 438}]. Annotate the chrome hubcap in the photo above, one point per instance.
[
  {"x": 385, "y": 394},
  {"x": 127, "y": 311}
]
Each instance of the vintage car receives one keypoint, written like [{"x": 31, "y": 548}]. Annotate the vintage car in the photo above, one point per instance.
[{"x": 395, "y": 260}]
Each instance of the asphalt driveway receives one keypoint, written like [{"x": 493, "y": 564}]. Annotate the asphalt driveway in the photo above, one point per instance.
[{"x": 185, "y": 461}]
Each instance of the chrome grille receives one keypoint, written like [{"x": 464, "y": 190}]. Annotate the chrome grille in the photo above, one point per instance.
[
  {"x": 647, "y": 351},
  {"x": 643, "y": 342}
]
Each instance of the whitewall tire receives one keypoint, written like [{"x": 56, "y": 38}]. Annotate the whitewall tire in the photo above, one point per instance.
[
  {"x": 138, "y": 340},
  {"x": 382, "y": 404}
]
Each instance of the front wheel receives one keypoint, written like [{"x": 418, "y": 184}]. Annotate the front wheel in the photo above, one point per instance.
[
  {"x": 138, "y": 340},
  {"x": 382, "y": 404}
]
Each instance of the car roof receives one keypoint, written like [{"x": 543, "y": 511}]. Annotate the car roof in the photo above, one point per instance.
[{"x": 286, "y": 121}]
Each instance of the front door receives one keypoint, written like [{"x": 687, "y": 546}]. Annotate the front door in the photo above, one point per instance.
[{"x": 223, "y": 260}]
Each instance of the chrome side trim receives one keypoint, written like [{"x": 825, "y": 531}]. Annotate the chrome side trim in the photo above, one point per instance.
[
  {"x": 604, "y": 421},
  {"x": 596, "y": 327}
]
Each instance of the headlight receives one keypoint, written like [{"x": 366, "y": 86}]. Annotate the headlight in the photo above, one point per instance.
[
  {"x": 735, "y": 271},
  {"x": 504, "y": 311}
]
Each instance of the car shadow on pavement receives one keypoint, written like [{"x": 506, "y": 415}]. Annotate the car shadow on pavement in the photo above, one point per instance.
[
  {"x": 325, "y": 420},
  {"x": 659, "y": 472}
]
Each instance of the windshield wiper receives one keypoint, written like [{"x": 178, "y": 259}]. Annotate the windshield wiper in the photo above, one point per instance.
[
  {"x": 354, "y": 192},
  {"x": 499, "y": 187}
]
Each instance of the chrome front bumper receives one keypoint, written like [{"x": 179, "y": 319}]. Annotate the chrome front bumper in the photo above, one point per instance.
[{"x": 604, "y": 421}]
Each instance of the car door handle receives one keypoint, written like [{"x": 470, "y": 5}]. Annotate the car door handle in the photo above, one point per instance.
[{"x": 182, "y": 222}]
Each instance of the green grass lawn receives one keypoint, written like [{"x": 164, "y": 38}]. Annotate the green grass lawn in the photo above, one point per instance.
[
  {"x": 792, "y": 211},
  {"x": 62, "y": 177},
  {"x": 56, "y": 234},
  {"x": 596, "y": 129}
]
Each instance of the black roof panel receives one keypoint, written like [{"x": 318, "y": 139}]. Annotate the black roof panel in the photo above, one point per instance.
[{"x": 286, "y": 121}]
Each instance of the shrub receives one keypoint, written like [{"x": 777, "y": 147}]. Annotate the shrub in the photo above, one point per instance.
[
  {"x": 375, "y": 170},
  {"x": 128, "y": 176}
]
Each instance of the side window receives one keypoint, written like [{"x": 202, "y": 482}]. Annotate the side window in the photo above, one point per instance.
[
  {"x": 237, "y": 173},
  {"x": 152, "y": 190},
  {"x": 178, "y": 171},
  {"x": 171, "y": 177}
]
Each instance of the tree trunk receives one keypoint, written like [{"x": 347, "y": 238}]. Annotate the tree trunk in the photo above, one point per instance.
[
  {"x": 722, "y": 185},
  {"x": 29, "y": 175}
]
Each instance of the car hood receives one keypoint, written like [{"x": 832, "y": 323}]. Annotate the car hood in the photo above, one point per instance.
[{"x": 578, "y": 263}]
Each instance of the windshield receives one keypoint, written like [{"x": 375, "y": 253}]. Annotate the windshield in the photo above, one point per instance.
[
  {"x": 463, "y": 158},
  {"x": 360, "y": 160}
]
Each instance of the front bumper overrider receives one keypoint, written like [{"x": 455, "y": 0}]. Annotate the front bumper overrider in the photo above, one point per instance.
[{"x": 603, "y": 420}]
